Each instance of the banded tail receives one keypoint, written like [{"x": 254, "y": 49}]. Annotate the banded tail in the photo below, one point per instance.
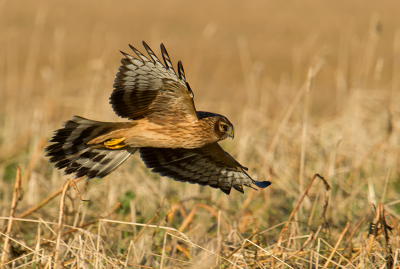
[{"x": 72, "y": 152}]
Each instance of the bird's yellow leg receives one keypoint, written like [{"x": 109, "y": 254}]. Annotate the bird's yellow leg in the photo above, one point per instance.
[{"x": 115, "y": 143}]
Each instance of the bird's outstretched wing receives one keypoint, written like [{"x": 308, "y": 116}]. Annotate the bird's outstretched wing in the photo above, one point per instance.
[
  {"x": 208, "y": 165},
  {"x": 148, "y": 88}
]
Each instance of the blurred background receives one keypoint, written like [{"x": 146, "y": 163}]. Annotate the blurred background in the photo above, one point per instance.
[
  {"x": 56, "y": 51},
  {"x": 311, "y": 86}
]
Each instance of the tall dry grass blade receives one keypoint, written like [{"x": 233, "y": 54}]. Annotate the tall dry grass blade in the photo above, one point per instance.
[
  {"x": 397, "y": 230},
  {"x": 284, "y": 229},
  {"x": 387, "y": 179},
  {"x": 83, "y": 225},
  {"x": 156, "y": 215},
  {"x": 22, "y": 245},
  {"x": 45, "y": 201},
  {"x": 57, "y": 263},
  {"x": 77, "y": 214},
  {"x": 38, "y": 238},
  {"x": 175, "y": 207},
  {"x": 305, "y": 244},
  {"x": 269, "y": 253},
  {"x": 373, "y": 228},
  {"x": 396, "y": 255},
  {"x": 131, "y": 244},
  {"x": 163, "y": 250},
  {"x": 248, "y": 200},
  {"x": 306, "y": 108},
  {"x": 34, "y": 159},
  {"x": 77, "y": 191},
  {"x": 273, "y": 227},
  {"x": 348, "y": 240},
  {"x": 337, "y": 245},
  {"x": 97, "y": 254},
  {"x": 190, "y": 217},
  {"x": 320, "y": 255},
  {"x": 289, "y": 239},
  {"x": 243, "y": 244},
  {"x": 284, "y": 121},
  {"x": 198, "y": 246},
  {"x": 81, "y": 257},
  {"x": 335, "y": 263},
  {"x": 371, "y": 192},
  {"x": 14, "y": 203},
  {"x": 314, "y": 205},
  {"x": 219, "y": 237}
]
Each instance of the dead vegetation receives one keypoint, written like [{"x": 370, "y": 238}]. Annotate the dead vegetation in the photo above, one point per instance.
[{"x": 315, "y": 102}]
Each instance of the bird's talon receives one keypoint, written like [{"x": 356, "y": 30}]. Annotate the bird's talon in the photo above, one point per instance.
[{"x": 115, "y": 143}]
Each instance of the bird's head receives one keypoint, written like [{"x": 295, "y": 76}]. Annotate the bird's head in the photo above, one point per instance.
[{"x": 224, "y": 128}]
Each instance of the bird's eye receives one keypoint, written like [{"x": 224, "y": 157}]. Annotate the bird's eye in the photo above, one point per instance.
[{"x": 224, "y": 127}]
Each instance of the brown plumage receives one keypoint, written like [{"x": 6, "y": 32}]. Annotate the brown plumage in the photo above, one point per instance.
[{"x": 173, "y": 138}]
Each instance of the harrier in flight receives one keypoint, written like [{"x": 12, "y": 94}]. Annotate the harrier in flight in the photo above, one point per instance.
[{"x": 172, "y": 137}]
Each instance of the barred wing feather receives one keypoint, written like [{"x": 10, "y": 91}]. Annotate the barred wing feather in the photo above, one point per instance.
[
  {"x": 148, "y": 88},
  {"x": 209, "y": 165}
]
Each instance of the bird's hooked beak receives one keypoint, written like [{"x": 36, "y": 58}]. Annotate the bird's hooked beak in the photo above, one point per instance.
[{"x": 231, "y": 133}]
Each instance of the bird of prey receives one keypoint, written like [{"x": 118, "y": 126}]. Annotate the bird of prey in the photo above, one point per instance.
[{"x": 172, "y": 137}]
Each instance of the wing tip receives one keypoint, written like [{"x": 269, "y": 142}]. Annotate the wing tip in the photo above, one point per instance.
[
  {"x": 262, "y": 184},
  {"x": 181, "y": 71},
  {"x": 139, "y": 54},
  {"x": 127, "y": 56},
  {"x": 145, "y": 44},
  {"x": 132, "y": 47},
  {"x": 166, "y": 58},
  {"x": 162, "y": 47}
]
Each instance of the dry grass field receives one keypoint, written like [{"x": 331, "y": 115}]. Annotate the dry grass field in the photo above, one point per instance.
[{"x": 312, "y": 87}]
